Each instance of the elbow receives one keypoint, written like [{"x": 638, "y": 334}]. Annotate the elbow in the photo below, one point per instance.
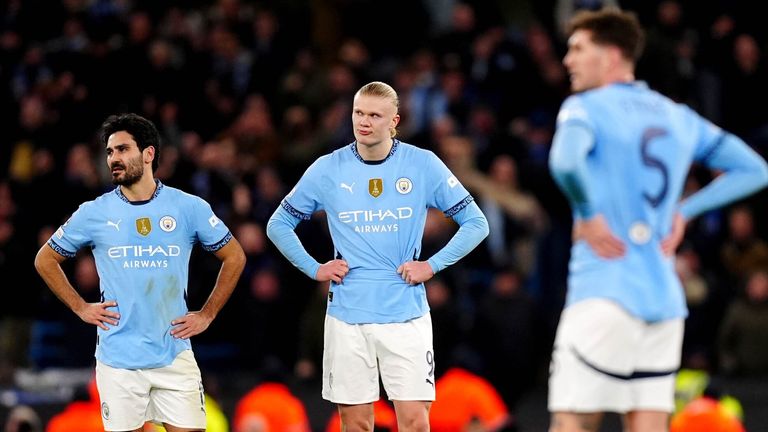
[
  {"x": 763, "y": 174},
  {"x": 40, "y": 260},
  {"x": 272, "y": 229}
]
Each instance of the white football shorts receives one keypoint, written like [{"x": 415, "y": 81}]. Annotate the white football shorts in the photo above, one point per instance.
[
  {"x": 606, "y": 360},
  {"x": 355, "y": 354},
  {"x": 171, "y": 394}
]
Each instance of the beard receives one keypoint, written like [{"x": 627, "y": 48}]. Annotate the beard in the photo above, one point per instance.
[{"x": 131, "y": 174}]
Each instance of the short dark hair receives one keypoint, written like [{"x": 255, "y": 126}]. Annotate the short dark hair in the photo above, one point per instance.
[
  {"x": 142, "y": 130},
  {"x": 612, "y": 26}
]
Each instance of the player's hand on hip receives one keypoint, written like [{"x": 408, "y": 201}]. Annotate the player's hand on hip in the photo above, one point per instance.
[
  {"x": 670, "y": 243},
  {"x": 98, "y": 314},
  {"x": 415, "y": 272},
  {"x": 598, "y": 235},
  {"x": 333, "y": 270},
  {"x": 191, "y": 324}
]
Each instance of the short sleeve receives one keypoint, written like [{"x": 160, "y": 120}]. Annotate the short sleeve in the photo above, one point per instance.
[
  {"x": 450, "y": 196},
  {"x": 74, "y": 233},
  {"x": 304, "y": 199},
  {"x": 210, "y": 231}
]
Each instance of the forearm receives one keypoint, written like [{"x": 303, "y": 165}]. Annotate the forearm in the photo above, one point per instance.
[
  {"x": 232, "y": 266},
  {"x": 568, "y": 164},
  {"x": 745, "y": 173},
  {"x": 280, "y": 230},
  {"x": 472, "y": 230},
  {"x": 53, "y": 275}
]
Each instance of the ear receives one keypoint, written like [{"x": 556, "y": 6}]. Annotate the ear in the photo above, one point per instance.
[
  {"x": 149, "y": 154},
  {"x": 395, "y": 120}
]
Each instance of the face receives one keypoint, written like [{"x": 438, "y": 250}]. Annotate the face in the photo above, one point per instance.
[
  {"x": 125, "y": 160},
  {"x": 373, "y": 117},
  {"x": 587, "y": 62}
]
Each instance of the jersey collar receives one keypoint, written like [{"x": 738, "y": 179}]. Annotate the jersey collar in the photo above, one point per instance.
[
  {"x": 392, "y": 151},
  {"x": 154, "y": 195}
]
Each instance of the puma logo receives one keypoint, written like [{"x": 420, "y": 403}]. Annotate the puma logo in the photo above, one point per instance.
[
  {"x": 114, "y": 224},
  {"x": 347, "y": 187}
]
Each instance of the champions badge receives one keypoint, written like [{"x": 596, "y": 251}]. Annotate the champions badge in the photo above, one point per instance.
[
  {"x": 375, "y": 187},
  {"x": 143, "y": 226}
]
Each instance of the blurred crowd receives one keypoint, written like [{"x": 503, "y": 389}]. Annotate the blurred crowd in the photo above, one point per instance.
[{"x": 246, "y": 94}]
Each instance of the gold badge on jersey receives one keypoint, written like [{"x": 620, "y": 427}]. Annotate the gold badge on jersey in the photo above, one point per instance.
[
  {"x": 375, "y": 187},
  {"x": 143, "y": 226}
]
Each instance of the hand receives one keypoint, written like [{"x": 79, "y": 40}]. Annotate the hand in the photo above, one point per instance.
[
  {"x": 670, "y": 243},
  {"x": 598, "y": 235},
  {"x": 191, "y": 324},
  {"x": 415, "y": 272},
  {"x": 333, "y": 270},
  {"x": 97, "y": 314}
]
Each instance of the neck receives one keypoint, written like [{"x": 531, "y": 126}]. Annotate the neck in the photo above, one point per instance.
[
  {"x": 142, "y": 190},
  {"x": 375, "y": 152}
]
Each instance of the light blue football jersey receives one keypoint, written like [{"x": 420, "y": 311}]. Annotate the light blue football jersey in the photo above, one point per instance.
[
  {"x": 644, "y": 145},
  {"x": 376, "y": 214},
  {"x": 142, "y": 252}
]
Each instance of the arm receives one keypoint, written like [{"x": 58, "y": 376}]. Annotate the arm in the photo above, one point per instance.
[
  {"x": 473, "y": 228},
  {"x": 568, "y": 164},
  {"x": 745, "y": 172},
  {"x": 232, "y": 263},
  {"x": 48, "y": 265},
  {"x": 280, "y": 230}
]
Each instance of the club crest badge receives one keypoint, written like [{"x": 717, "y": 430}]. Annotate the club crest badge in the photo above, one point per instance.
[
  {"x": 375, "y": 187},
  {"x": 167, "y": 223},
  {"x": 404, "y": 185},
  {"x": 143, "y": 226},
  {"x": 105, "y": 411}
]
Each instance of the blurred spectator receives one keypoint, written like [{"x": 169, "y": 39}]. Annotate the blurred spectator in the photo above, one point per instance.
[
  {"x": 311, "y": 334},
  {"x": 743, "y": 251},
  {"x": 23, "y": 418},
  {"x": 507, "y": 334},
  {"x": 447, "y": 317},
  {"x": 464, "y": 398},
  {"x": 705, "y": 414},
  {"x": 82, "y": 414},
  {"x": 270, "y": 406},
  {"x": 744, "y": 330}
]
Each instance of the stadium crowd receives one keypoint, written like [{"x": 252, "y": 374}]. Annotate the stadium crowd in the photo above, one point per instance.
[{"x": 248, "y": 93}]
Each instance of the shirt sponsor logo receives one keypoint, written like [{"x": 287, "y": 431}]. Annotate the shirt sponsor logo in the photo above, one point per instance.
[
  {"x": 374, "y": 221},
  {"x": 144, "y": 256},
  {"x": 143, "y": 226},
  {"x": 375, "y": 187}
]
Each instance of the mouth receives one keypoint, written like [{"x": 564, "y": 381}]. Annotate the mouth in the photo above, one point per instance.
[{"x": 117, "y": 169}]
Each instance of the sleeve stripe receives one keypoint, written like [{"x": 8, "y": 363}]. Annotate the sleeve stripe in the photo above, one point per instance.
[
  {"x": 295, "y": 213},
  {"x": 219, "y": 244},
  {"x": 716, "y": 145},
  {"x": 459, "y": 206},
  {"x": 60, "y": 250}
]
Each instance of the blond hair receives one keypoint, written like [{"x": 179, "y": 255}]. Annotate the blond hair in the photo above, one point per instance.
[{"x": 384, "y": 90}]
